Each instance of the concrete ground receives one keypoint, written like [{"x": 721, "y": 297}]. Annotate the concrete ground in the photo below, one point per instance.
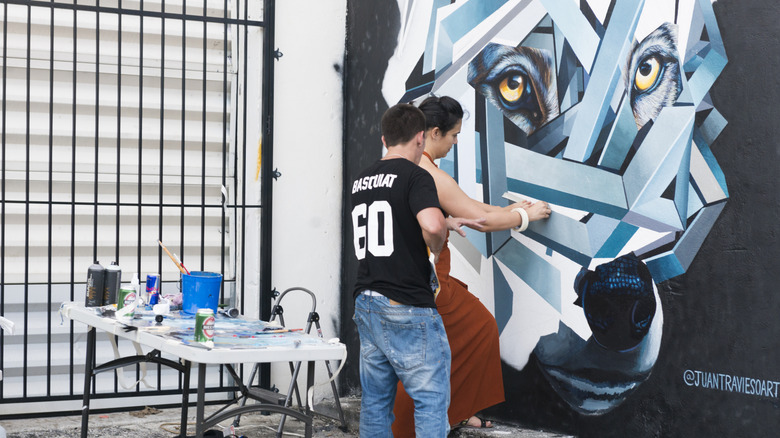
[{"x": 164, "y": 423}]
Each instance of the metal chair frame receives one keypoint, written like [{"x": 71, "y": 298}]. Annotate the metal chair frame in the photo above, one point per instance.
[{"x": 313, "y": 318}]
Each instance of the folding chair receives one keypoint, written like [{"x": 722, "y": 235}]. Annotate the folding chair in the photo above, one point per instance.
[{"x": 286, "y": 401}]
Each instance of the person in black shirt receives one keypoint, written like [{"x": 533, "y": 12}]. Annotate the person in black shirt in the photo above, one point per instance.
[{"x": 396, "y": 219}]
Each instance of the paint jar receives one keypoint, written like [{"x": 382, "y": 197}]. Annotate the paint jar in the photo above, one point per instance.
[{"x": 200, "y": 290}]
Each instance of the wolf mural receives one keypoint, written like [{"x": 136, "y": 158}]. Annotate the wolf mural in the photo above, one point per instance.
[{"x": 600, "y": 108}]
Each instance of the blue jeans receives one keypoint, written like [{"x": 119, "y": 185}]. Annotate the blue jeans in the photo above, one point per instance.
[{"x": 407, "y": 343}]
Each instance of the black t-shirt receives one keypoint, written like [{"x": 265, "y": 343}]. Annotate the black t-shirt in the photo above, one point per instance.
[{"x": 388, "y": 240}]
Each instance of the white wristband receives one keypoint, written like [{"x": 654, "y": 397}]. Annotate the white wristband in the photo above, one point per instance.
[{"x": 524, "y": 215}]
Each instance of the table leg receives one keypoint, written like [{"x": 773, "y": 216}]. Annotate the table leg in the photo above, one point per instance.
[
  {"x": 185, "y": 397},
  {"x": 309, "y": 385},
  {"x": 87, "y": 380},
  {"x": 201, "y": 401}
]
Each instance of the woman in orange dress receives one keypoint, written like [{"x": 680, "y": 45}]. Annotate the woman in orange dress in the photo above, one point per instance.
[{"x": 476, "y": 380}]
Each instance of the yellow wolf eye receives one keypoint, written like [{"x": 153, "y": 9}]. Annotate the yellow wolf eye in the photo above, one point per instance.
[
  {"x": 512, "y": 88},
  {"x": 647, "y": 73}
]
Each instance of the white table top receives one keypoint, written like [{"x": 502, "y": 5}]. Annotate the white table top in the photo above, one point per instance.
[{"x": 236, "y": 340}]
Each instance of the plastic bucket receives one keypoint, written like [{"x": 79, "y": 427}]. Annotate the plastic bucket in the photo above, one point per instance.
[{"x": 200, "y": 290}]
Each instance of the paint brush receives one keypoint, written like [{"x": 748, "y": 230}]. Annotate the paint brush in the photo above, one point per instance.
[
  {"x": 178, "y": 265},
  {"x": 181, "y": 263}
]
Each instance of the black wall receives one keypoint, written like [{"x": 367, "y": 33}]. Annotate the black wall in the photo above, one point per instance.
[
  {"x": 721, "y": 316},
  {"x": 371, "y": 30}
]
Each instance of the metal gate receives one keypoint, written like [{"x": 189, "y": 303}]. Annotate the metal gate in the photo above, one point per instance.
[{"x": 123, "y": 123}]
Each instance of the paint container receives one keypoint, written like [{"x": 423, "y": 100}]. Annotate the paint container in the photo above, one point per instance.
[
  {"x": 200, "y": 290},
  {"x": 204, "y": 325},
  {"x": 112, "y": 283},
  {"x": 96, "y": 275}
]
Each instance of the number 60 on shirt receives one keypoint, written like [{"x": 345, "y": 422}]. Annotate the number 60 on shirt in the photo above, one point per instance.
[{"x": 373, "y": 229}]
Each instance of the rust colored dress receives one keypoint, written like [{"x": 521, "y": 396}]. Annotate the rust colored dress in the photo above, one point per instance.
[{"x": 476, "y": 382}]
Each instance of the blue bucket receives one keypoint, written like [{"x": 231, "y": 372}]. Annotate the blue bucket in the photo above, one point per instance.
[{"x": 200, "y": 290}]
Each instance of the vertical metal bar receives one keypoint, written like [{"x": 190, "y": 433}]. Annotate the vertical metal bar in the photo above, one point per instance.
[
  {"x": 223, "y": 170},
  {"x": 161, "y": 161},
  {"x": 97, "y": 136},
  {"x": 266, "y": 184},
  {"x": 27, "y": 205},
  {"x": 183, "y": 123},
  {"x": 97, "y": 139},
  {"x": 203, "y": 142},
  {"x": 240, "y": 288},
  {"x": 140, "y": 153},
  {"x": 51, "y": 187},
  {"x": 140, "y": 141},
  {"x": 184, "y": 384},
  {"x": 118, "y": 133},
  {"x": 225, "y": 14},
  {"x": 118, "y": 150},
  {"x": 73, "y": 186},
  {"x": 2, "y": 184}
]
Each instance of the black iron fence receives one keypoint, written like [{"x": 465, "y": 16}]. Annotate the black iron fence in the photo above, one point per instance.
[{"x": 123, "y": 123}]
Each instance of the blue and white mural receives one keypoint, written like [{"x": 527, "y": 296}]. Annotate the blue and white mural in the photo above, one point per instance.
[{"x": 600, "y": 108}]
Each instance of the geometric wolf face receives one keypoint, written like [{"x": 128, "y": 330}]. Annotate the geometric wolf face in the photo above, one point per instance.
[{"x": 602, "y": 110}]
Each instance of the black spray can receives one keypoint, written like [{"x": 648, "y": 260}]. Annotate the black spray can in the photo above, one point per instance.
[
  {"x": 112, "y": 283},
  {"x": 95, "y": 282}
]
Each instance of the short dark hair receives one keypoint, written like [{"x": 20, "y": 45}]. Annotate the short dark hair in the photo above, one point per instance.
[
  {"x": 401, "y": 122},
  {"x": 441, "y": 112}
]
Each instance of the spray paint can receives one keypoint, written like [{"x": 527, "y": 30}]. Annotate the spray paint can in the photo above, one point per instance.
[
  {"x": 95, "y": 280},
  {"x": 125, "y": 297},
  {"x": 112, "y": 283},
  {"x": 153, "y": 288},
  {"x": 204, "y": 325}
]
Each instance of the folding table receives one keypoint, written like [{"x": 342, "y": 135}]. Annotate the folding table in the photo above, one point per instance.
[{"x": 236, "y": 340}]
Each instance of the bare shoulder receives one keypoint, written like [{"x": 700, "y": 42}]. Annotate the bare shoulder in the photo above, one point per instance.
[{"x": 439, "y": 176}]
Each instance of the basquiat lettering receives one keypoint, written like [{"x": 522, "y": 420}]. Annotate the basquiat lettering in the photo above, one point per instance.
[{"x": 374, "y": 182}]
